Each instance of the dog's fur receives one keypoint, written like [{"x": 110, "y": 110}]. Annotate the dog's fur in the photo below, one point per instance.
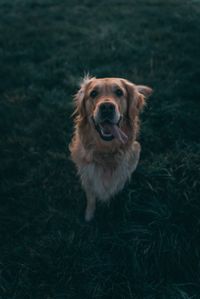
[{"x": 104, "y": 166}]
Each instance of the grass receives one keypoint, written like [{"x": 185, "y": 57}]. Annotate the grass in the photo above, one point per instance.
[{"x": 146, "y": 245}]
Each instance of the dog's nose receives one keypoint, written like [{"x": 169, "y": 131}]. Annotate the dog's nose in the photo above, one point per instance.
[{"x": 107, "y": 109}]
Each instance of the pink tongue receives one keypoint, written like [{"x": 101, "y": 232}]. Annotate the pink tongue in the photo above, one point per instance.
[
  {"x": 119, "y": 134},
  {"x": 116, "y": 132}
]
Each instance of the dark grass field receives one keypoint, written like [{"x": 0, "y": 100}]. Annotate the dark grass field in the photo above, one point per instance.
[{"x": 146, "y": 245}]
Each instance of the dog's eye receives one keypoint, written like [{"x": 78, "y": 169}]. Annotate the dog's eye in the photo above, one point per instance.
[
  {"x": 119, "y": 92},
  {"x": 93, "y": 93}
]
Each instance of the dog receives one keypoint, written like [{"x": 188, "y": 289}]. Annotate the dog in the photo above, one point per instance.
[{"x": 104, "y": 147}]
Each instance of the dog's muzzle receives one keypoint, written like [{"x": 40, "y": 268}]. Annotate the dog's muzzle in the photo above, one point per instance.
[
  {"x": 107, "y": 111},
  {"x": 108, "y": 130}
]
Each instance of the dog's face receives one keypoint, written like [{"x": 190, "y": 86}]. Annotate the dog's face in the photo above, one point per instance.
[{"x": 105, "y": 102}]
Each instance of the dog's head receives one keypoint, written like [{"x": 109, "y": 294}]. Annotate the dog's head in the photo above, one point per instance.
[{"x": 105, "y": 102}]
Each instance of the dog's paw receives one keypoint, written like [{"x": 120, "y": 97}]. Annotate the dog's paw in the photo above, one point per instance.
[{"x": 89, "y": 215}]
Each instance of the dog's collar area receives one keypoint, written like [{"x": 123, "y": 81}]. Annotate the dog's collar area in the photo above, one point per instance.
[{"x": 98, "y": 128}]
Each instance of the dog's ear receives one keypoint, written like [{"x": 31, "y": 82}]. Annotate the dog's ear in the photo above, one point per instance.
[
  {"x": 145, "y": 92},
  {"x": 136, "y": 98},
  {"x": 80, "y": 96}
]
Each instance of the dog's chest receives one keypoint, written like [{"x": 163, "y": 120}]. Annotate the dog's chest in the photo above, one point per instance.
[{"x": 103, "y": 181}]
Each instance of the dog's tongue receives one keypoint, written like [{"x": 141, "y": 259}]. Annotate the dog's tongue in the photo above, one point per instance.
[
  {"x": 119, "y": 134},
  {"x": 115, "y": 131}
]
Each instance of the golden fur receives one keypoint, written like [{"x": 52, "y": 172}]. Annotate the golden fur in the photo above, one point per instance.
[{"x": 105, "y": 166}]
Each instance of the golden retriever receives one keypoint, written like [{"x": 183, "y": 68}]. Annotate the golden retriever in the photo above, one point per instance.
[{"x": 104, "y": 147}]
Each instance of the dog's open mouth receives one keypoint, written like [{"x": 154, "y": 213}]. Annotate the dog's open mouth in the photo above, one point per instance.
[{"x": 108, "y": 131}]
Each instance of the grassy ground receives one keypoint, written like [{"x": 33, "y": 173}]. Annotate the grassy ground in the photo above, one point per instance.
[{"x": 147, "y": 244}]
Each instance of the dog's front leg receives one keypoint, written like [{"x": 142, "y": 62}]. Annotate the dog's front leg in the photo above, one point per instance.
[{"x": 91, "y": 206}]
